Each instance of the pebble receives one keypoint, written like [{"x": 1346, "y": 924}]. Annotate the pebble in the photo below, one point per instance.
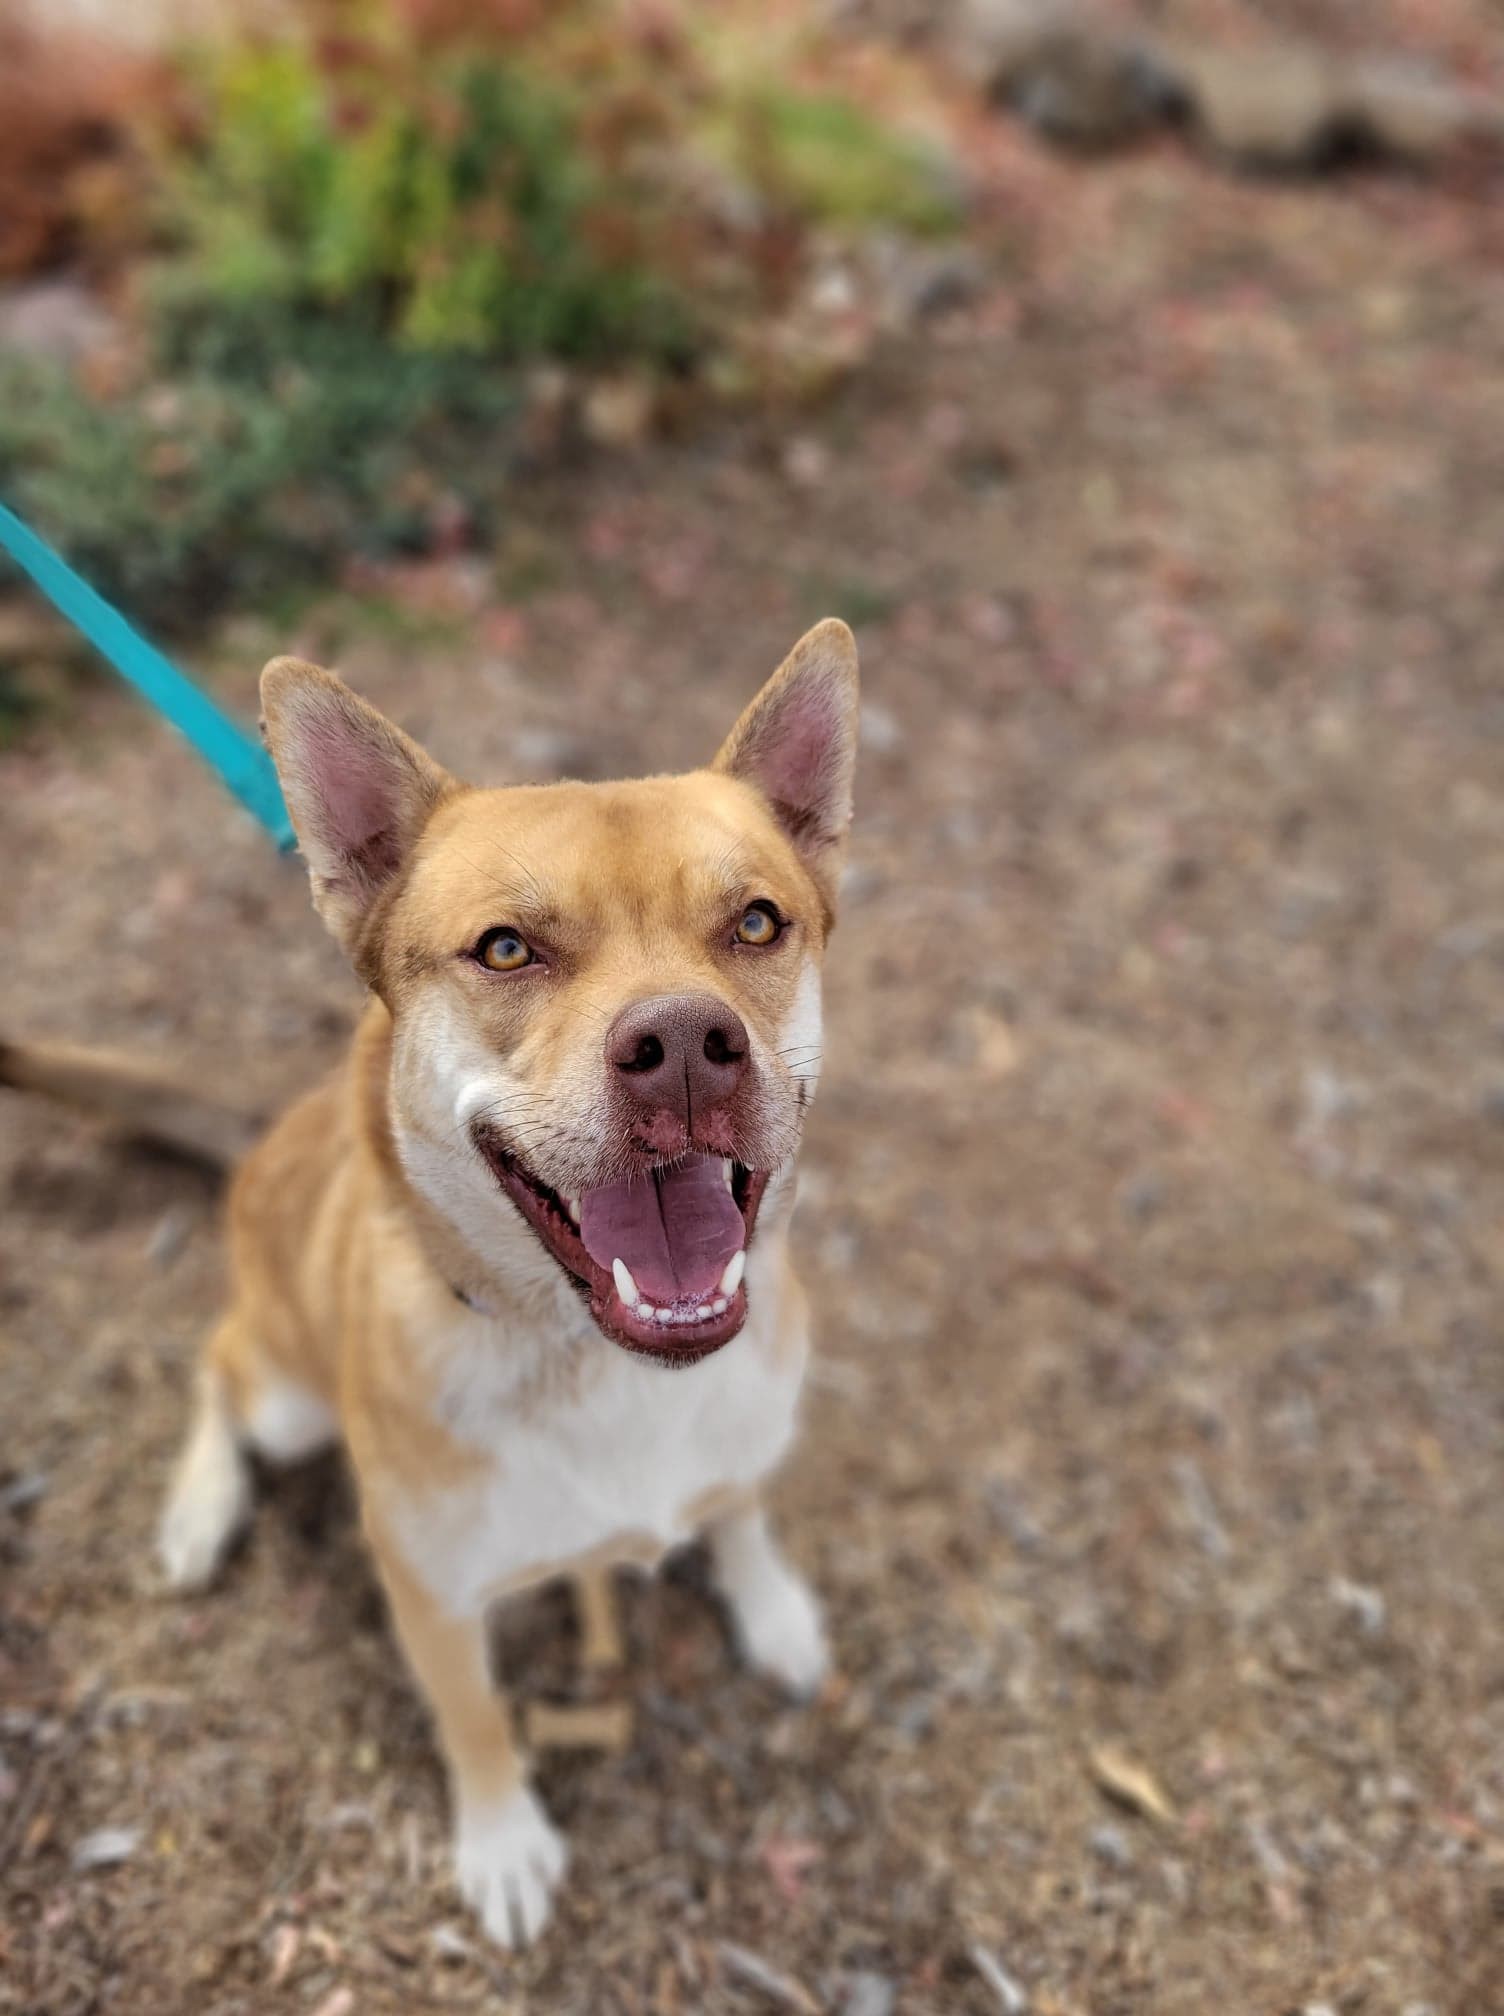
[
  {"x": 1110, "y": 1845},
  {"x": 106, "y": 1847},
  {"x": 868, "y": 1994}
]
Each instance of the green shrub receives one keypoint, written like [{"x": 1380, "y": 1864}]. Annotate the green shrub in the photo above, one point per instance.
[
  {"x": 264, "y": 463},
  {"x": 451, "y": 201},
  {"x": 361, "y": 233}
]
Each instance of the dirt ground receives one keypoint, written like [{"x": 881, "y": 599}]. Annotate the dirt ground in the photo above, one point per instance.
[{"x": 1153, "y": 1213}]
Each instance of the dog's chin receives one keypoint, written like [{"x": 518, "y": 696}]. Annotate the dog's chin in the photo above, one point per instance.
[{"x": 677, "y": 1330}]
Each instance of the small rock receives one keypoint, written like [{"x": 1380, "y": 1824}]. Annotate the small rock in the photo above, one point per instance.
[
  {"x": 1143, "y": 1198},
  {"x": 1110, "y": 1845},
  {"x": 917, "y": 281},
  {"x": 868, "y": 1994},
  {"x": 169, "y": 1236},
  {"x": 806, "y": 462},
  {"x": 451, "y": 1945},
  {"x": 1365, "y": 1605},
  {"x": 618, "y": 412},
  {"x": 106, "y": 1847},
  {"x": 1073, "y": 76},
  {"x": 23, "y": 1492},
  {"x": 1401, "y": 109},
  {"x": 1269, "y": 108}
]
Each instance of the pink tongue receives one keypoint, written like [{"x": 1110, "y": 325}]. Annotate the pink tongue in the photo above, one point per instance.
[{"x": 676, "y": 1229}]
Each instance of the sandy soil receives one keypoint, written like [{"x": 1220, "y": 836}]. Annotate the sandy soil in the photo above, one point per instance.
[{"x": 1153, "y": 1211}]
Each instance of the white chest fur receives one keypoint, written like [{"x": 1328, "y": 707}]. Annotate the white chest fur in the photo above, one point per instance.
[{"x": 623, "y": 1460}]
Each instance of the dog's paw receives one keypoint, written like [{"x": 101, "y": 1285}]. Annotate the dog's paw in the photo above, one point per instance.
[
  {"x": 508, "y": 1861},
  {"x": 208, "y": 1505},
  {"x": 779, "y": 1626}
]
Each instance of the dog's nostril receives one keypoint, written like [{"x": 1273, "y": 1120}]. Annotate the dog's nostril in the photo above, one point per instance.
[
  {"x": 647, "y": 1056},
  {"x": 719, "y": 1048}
]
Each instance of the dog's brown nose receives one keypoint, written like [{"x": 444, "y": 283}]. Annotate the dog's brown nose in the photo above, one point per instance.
[{"x": 684, "y": 1053}]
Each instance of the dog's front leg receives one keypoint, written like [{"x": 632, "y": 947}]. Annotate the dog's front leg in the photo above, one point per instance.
[
  {"x": 773, "y": 1609},
  {"x": 508, "y": 1856}
]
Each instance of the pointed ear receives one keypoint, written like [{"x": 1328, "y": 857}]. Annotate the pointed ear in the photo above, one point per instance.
[
  {"x": 796, "y": 744},
  {"x": 359, "y": 791}
]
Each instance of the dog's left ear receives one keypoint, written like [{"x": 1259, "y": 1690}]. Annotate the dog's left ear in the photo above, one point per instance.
[{"x": 796, "y": 744}]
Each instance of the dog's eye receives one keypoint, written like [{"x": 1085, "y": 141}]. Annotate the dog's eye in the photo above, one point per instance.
[
  {"x": 503, "y": 951},
  {"x": 760, "y": 925}
]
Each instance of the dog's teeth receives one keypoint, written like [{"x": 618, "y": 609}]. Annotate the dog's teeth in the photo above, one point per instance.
[
  {"x": 702, "y": 1312},
  {"x": 626, "y": 1287},
  {"x": 572, "y": 1205},
  {"x": 726, "y": 1169},
  {"x": 718, "y": 1306},
  {"x": 736, "y": 1266}
]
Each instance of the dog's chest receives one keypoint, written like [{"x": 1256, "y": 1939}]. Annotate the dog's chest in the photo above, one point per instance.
[{"x": 625, "y": 1464}]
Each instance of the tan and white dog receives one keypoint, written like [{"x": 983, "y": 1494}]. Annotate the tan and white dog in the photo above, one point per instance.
[{"x": 557, "y": 1166}]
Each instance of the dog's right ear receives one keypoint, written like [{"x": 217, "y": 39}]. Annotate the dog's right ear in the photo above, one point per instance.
[{"x": 358, "y": 790}]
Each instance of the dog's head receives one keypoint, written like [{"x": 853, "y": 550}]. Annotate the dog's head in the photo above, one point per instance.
[{"x": 605, "y": 997}]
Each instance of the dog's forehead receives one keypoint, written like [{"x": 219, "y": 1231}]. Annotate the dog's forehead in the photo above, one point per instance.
[{"x": 656, "y": 846}]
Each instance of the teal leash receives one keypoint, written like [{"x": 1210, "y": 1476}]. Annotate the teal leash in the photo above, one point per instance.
[{"x": 241, "y": 762}]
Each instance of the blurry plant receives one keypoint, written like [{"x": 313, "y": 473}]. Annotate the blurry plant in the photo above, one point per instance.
[
  {"x": 821, "y": 157},
  {"x": 362, "y": 229},
  {"x": 68, "y": 104},
  {"x": 257, "y": 467},
  {"x": 448, "y": 197}
]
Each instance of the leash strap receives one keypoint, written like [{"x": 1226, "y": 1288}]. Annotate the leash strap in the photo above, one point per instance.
[{"x": 242, "y": 763}]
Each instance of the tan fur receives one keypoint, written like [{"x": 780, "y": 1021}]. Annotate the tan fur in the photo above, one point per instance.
[{"x": 348, "y": 1254}]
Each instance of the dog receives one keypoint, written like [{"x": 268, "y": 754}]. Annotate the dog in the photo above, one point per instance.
[{"x": 525, "y": 1254}]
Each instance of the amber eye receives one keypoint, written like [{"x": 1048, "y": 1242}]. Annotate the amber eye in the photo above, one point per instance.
[
  {"x": 759, "y": 925},
  {"x": 503, "y": 951}
]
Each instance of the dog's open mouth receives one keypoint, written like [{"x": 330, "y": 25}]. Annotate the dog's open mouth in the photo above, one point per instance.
[{"x": 661, "y": 1256}]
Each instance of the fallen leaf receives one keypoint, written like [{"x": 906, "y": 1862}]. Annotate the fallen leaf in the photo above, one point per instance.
[{"x": 1130, "y": 1785}]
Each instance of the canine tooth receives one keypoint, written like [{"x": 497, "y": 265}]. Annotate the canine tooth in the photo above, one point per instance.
[
  {"x": 726, "y": 1174},
  {"x": 736, "y": 1266},
  {"x": 702, "y": 1312},
  {"x": 572, "y": 1204},
  {"x": 718, "y": 1306},
  {"x": 626, "y": 1287}
]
